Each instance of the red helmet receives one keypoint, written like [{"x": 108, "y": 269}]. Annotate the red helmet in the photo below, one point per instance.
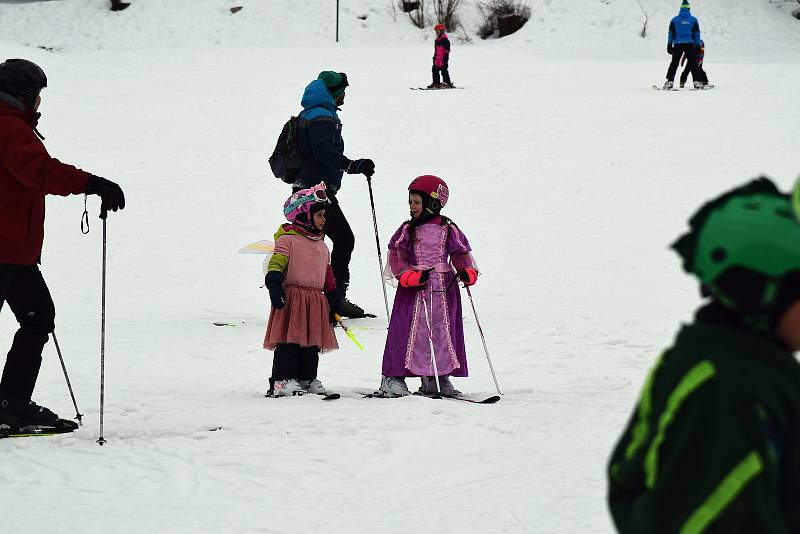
[
  {"x": 439, "y": 28},
  {"x": 434, "y": 191}
]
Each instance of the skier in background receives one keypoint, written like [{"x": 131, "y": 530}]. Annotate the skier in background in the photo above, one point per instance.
[
  {"x": 320, "y": 136},
  {"x": 27, "y": 174},
  {"x": 701, "y": 52},
  {"x": 713, "y": 445},
  {"x": 299, "y": 279},
  {"x": 427, "y": 256},
  {"x": 441, "y": 58},
  {"x": 683, "y": 39}
]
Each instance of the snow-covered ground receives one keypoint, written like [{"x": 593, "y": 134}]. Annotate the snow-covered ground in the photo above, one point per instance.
[{"x": 568, "y": 173}]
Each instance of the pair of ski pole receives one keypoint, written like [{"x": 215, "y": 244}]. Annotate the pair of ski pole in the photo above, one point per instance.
[{"x": 386, "y": 300}]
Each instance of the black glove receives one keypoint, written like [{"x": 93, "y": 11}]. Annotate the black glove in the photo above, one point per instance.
[
  {"x": 697, "y": 48},
  {"x": 362, "y": 166},
  {"x": 670, "y": 49},
  {"x": 335, "y": 300},
  {"x": 111, "y": 195},
  {"x": 274, "y": 283}
]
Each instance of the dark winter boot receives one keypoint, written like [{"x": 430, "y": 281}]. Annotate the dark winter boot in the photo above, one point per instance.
[
  {"x": 18, "y": 413},
  {"x": 354, "y": 311}
]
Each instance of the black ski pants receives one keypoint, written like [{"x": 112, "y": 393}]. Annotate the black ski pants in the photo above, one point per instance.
[
  {"x": 691, "y": 61},
  {"x": 290, "y": 360},
  {"x": 338, "y": 230},
  {"x": 685, "y": 74},
  {"x": 445, "y": 74},
  {"x": 25, "y": 291}
]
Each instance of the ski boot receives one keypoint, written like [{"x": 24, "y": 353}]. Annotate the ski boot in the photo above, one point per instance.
[
  {"x": 314, "y": 387},
  {"x": 353, "y": 311},
  {"x": 286, "y": 388},
  {"x": 446, "y": 388},
  {"x": 18, "y": 413},
  {"x": 667, "y": 85},
  {"x": 394, "y": 386}
]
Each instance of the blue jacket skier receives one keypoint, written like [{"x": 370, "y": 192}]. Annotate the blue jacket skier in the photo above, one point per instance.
[
  {"x": 320, "y": 142},
  {"x": 683, "y": 38}
]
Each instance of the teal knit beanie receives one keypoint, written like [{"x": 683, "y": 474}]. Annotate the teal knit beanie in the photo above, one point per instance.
[{"x": 336, "y": 82}]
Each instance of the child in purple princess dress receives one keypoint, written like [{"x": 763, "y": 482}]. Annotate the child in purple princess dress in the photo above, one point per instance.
[{"x": 427, "y": 257}]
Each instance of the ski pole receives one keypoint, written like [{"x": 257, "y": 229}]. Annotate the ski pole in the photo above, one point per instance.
[
  {"x": 101, "y": 440},
  {"x": 480, "y": 330},
  {"x": 347, "y": 330},
  {"x": 430, "y": 341},
  {"x": 378, "y": 243},
  {"x": 78, "y": 414}
]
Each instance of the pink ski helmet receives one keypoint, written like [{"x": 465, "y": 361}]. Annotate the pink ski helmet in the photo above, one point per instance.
[
  {"x": 433, "y": 190},
  {"x": 299, "y": 207}
]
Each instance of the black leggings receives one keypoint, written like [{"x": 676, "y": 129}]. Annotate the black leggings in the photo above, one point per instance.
[
  {"x": 293, "y": 361},
  {"x": 26, "y": 293}
]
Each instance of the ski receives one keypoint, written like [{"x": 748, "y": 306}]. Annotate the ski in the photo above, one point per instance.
[
  {"x": 328, "y": 397},
  {"x": 657, "y": 88},
  {"x": 61, "y": 426},
  {"x": 481, "y": 400},
  {"x": 220, "y": 323},
  {"x": 705, "y": 87},
  {"x": 433, "y": 88}
]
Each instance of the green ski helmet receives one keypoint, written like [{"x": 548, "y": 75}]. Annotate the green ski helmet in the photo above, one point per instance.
[{"x": 744, "y": 247}]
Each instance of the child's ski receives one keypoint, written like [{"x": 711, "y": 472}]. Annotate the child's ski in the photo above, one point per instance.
[
  {"x": 60, "y": 426},
  {"x": 433, "y": 88},
  {"x": 707, "y": 86},
  {"x": 328, "y": 397},
  {"x": 657, "y": 88},
  {"x": 480, "y": 400},
  {"x": 220, "y": 323}
]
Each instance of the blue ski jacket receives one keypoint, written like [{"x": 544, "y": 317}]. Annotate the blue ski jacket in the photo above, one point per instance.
[
  {"x": 320, "y": 141},
  {"x": 684, "y": 28}
]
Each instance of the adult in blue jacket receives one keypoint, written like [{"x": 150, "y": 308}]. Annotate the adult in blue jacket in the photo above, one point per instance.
[
  {"x": 322, "y": 147},
  {"x": 683, "y": 38}
]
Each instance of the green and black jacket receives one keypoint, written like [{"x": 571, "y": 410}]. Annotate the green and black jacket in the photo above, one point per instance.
[{"x": 714, "y": 443}]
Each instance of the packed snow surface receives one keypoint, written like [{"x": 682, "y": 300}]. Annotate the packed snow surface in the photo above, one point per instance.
[{"x": 568, "y": 173}]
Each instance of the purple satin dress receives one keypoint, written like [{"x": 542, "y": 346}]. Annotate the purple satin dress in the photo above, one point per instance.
[{"x": 430, "y": 317}]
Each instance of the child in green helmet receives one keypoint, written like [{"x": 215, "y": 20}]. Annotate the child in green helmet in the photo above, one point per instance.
[{"x": 714, "y": 442}]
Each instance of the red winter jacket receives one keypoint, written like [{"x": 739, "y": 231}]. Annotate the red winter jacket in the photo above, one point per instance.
[{"x": 27, "y": 174}]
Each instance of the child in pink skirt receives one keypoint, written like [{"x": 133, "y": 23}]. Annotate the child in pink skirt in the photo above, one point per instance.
[
  {"x": 302, "y": 290},
  {"x": 428, "y": 255}
]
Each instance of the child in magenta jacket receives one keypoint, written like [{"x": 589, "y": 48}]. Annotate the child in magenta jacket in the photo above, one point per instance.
[
  {"x": 441, "y": 57},
  {"x": 428, "y": 255}
]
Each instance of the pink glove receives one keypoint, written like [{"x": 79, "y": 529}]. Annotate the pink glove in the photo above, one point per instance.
[
  {"x": 469, "y": 276},
  {"x": 413, "y": 278}
]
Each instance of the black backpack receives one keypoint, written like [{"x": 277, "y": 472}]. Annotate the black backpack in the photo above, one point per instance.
[{"x": 286, "y": 159}]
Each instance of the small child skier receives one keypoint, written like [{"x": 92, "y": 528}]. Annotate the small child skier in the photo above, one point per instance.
[
  {"x": 703, "y": 81},
  {"x": 427, "y": 256},
  {"x": 441, "y": 58},
  {"x": 302, "y": 290}
]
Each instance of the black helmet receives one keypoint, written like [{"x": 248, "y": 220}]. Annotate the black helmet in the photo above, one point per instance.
[{"x": 22, "y": 78}]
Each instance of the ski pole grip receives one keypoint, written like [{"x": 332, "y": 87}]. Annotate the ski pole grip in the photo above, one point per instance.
[{"x": 103, "y": 212}]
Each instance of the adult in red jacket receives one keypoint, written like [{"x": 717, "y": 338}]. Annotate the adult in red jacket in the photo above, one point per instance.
[{"x": 27, "y": 174}]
